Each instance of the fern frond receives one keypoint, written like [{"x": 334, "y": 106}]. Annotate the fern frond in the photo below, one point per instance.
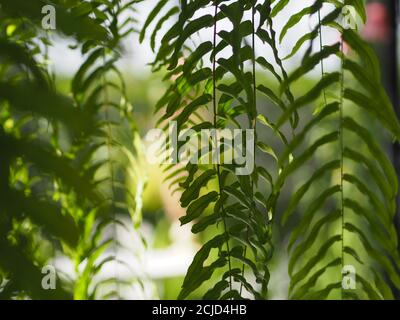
[{"x": 349, "y": 234}]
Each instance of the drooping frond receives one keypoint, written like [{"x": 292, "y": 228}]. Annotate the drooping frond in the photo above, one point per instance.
[{"x": 346, "y": 226}]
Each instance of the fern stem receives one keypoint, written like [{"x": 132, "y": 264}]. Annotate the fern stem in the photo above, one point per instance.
[
  {"x": 253, "y": 121},
  {"x": 220, "y": 188},
  {"x": 254, "y": 124},
  {"x": 341, "y": 155},
  {"x": 112, "y": 178}
]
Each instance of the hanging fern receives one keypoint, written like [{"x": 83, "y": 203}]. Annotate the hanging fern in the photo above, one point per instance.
[
  {"x": 198, "y": 87},
  {"x": 226, "y": 92},
  {"x": 358, "y": 230}
]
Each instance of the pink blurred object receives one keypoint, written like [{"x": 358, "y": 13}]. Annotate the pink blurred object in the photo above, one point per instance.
[{"x": 377, "y": 28}]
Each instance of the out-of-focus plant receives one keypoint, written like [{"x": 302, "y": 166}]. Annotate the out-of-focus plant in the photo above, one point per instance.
[
  {"x": 109, "y": 154},
  {"x": 69, "y": 167}
]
